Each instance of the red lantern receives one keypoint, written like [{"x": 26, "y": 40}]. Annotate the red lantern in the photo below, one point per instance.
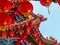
[
  {"x": 4, "y": 34},
  {"x": 11, "y": 33},
  {"x": 34, "y": 34},
  {"x": 28, "y": 29},
  {"x": 5, "y": 19},
  {"x": 58, "y": 2},
  {"x": 36, "y": 38},
  {"x": 25, "y": 8},
  {"x": 5, "y": 6},
  {"x": 45, "y": 2},
  {"x": 20, "y": 32}
]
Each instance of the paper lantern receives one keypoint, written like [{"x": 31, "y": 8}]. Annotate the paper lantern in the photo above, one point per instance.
[
  {"x": 5, "y": 19},
  {"x": 5, "y": 5},
  {"x": 25, "y": 8},
  {"x": 45, "y": 2}
]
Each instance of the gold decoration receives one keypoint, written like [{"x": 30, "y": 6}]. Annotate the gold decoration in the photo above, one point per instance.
[
  {"x": 47, "y": 0},
  {"x": 2, "y": 28},
  {"x": 26, "y": 14},
  {"x": 1, "y": 11}
]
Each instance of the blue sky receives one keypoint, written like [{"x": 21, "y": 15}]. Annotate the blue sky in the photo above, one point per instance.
[{"x": 51, "y": 27}]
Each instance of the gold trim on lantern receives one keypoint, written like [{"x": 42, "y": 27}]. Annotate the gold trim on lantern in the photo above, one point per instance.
[
  {"x": 47, "y": 0},
  {"x": 1, "y": 11},
  {"x": 4, "y": 23},
  {"x": 29, "y": 11},
  {"x": 26, "y": 14},
  {"x": 2, "y": 28},
  {"x": 47, "y": 3}
]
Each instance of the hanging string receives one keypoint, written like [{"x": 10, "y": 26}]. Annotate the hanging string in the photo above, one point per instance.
[{"x": 48, "y": 9}]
